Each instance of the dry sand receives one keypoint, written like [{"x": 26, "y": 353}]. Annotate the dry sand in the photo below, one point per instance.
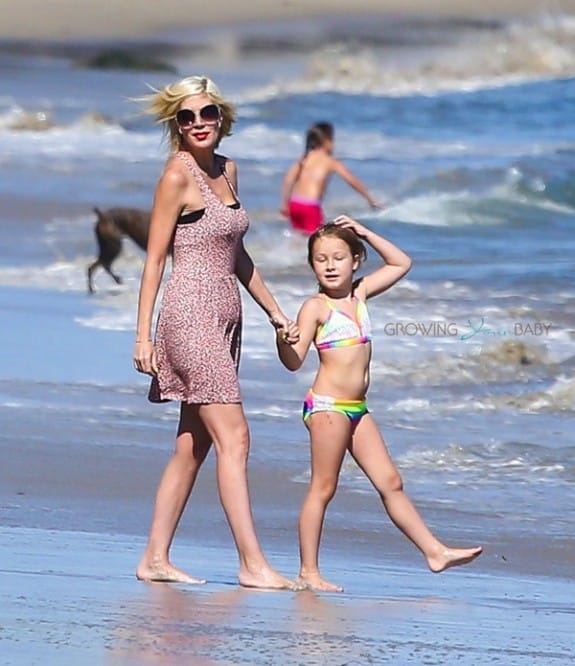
[{"x": 79, "y": 19}]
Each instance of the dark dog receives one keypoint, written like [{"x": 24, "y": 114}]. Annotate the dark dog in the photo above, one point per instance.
[{"x": 112, "y": 225}]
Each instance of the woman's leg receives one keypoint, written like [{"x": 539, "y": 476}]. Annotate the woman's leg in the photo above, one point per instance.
[
  {"x": 192, "y": 445},
  {"x": 228, "y": 429},
  {"x": 330, "y": 434},
  {"x": 370, "y": 453}
]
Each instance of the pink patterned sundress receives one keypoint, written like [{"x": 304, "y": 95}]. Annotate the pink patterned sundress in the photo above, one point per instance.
[{"x": 198, "y": 335}]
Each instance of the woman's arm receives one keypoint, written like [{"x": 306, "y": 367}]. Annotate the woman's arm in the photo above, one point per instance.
[
  {"x": 397, "y": 263},
  {"x": 287, "y": 187},
  {"x": 245, "y": 268},
  {"x": 166, "y": 208},
  {"x": 249, "y": 276},
  {"x": 342, "y": 171},
  {"x": 292, "y": 355}
]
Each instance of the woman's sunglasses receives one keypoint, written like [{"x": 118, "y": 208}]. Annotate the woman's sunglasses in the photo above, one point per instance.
[{"x": 209, "y": 114}]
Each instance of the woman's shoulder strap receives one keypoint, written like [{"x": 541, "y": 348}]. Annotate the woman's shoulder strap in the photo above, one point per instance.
[
  {"x": 222, "y": 162},
  {"x": 194, "y": 170},
  {"x": 187, "y": 160}
]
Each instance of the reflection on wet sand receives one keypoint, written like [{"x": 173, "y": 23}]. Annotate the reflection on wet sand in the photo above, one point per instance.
[{"x": 167, "y": 622}]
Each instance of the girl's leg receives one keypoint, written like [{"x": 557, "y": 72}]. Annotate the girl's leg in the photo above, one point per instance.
[
  {"x": 228, "y": 429},
  {"x": 192, "y": 446},
  {"x": 330, "y": 435},
  {"x": 370, "y": 453}
]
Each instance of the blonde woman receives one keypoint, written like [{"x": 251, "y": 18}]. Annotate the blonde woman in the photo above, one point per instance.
[{"x": 195, "y": 354}]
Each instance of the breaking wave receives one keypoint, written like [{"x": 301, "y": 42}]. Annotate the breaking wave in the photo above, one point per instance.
[{"x": 520, "y": 51}]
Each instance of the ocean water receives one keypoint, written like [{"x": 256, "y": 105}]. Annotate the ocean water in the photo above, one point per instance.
[{"x": 466, "y": 129}]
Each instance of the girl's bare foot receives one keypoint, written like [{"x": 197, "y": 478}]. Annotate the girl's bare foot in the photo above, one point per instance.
[
  {"x": 164, "y": 572},
  {"x": 452, "y": 557},
  {"x": 313, "y": 581},
  {"x": 265, "y": 578}
]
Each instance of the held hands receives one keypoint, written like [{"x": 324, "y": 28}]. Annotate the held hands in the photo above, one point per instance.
[
  {"x": 349, "y": 223},
  {"x": 145, "y": 359},
  {"x": 286, "y": 328}
]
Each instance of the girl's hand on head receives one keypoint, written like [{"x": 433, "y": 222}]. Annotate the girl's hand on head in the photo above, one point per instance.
[
  {"x": 145, "y": 358},
  {"x": 349, "y": 223}
]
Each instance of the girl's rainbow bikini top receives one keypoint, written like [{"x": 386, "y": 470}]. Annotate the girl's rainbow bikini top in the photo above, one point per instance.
[{"x": 342, "y": 330}]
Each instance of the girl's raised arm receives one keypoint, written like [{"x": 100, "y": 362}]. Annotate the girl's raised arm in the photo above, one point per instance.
[
  {"x": 292, "y": 355},
  {"x": 397, "y": 263},
  {"x": 344, "y": 173}
]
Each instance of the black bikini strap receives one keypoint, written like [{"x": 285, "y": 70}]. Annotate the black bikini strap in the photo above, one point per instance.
[{"x": 228, "y": 181}]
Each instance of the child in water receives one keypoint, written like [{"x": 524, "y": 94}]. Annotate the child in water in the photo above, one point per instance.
[
  {"x": 306, "y": 180},
  {"x": 336, "y": 320}
]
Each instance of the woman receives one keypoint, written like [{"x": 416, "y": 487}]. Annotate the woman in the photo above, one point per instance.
[{"x": 195, "y": 356}]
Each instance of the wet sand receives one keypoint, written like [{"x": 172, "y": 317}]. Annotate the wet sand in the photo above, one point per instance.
[{"x": 69, "y": 597}]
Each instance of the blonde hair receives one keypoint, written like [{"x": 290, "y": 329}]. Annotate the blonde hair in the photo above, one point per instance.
[{"x": 165, "y": 103}]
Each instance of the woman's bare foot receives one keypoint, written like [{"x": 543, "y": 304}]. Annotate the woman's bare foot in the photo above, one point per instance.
[
  {"x": 313, "y": 581},
  {"x": 164, "y": 572},
  {"x": 452, "y": 557},
  {"x": 266, "y": 578}
]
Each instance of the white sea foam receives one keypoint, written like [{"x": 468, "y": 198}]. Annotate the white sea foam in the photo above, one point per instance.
[
  {"x": 457, "y": 365},
  {"x": 57, "y": 276},
  {"x": 271, "y": 412},
  {"x": 560, "y": 396},
  {"x": 409, "y": 405},
  {"x": 465, "y": 208},
  {"x": 488, "y": 462},
  {"x": 536, "y": 49},
  {"x": 81, "y": 138},
  {"x": 261, "y": 142},
  {"x": 70, "y": 275},
  {"x": 107, "y": 139}
]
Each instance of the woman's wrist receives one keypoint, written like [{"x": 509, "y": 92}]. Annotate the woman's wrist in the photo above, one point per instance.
[{"x": 274, "y": 312}]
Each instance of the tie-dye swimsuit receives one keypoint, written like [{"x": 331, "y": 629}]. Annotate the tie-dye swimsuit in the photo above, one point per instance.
[{"x": 340, "y": 330}]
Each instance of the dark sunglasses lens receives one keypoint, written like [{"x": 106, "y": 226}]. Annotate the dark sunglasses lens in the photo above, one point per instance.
[
  {"x": 210, "y": 113},
  {"x": 185, "y": 117}
]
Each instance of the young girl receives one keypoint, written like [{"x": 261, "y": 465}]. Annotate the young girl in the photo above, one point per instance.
[
  {"x": 306, "y": 180},
  {"x": 336, "y": 320}
]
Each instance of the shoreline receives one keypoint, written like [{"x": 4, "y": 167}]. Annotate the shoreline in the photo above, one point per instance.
[
  {"x": 63, "y": 20},
  {"x": 70, "y": 597}
]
